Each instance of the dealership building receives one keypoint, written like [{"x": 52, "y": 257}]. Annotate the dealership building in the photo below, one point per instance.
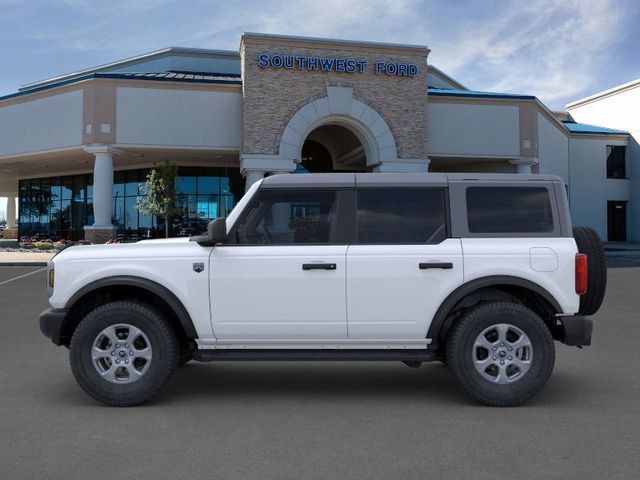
[{"x": 74, "y": 149}]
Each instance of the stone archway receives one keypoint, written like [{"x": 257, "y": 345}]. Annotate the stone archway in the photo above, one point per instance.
[{"x": 341, "y": 109}]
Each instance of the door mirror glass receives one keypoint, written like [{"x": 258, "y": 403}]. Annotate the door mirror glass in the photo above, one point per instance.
[{"x": 217, "y": 230}]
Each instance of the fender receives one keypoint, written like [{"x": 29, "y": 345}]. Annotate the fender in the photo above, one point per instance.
[
  {"x": 462, "y": 291},
  {"x": 165, "y": 294}
]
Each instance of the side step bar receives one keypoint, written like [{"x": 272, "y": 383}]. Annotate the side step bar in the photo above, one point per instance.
[{"x": 313, "y": 355}]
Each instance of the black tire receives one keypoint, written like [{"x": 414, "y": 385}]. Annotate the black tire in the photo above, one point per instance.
[
  {"x": 460, "y": 353},
  {"x": 589, "y": 242},
  {"x": 162, "y": 339}
]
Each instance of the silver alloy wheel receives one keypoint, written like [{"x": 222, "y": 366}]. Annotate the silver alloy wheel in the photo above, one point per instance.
[
  {"x": 121, "y": 353},
  {"x": 502, "y": 353}
]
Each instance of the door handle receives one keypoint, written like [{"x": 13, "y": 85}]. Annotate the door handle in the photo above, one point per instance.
[
  {"x": 319, "y": 266},
  {"x": 443, "y": 265}
]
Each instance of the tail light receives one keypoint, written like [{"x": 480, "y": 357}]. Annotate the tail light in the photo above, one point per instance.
[{"x": 581, "y": 273}]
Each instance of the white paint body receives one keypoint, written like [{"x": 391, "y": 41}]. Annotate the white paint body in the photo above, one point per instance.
[{"x": 260, "y": 297}]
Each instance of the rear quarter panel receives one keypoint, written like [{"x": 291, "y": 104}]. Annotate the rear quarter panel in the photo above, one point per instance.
[{"x": 547, "y": 262}]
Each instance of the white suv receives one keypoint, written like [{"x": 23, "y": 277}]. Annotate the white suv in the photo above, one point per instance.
[{"x": 481, "y": 272}]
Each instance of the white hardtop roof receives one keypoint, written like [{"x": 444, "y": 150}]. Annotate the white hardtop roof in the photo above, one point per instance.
[{"x": 346, "y": 180}]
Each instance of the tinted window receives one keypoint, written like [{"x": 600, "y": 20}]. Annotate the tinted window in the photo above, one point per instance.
[
  {"x": 509, "y": 210},
  {"x": 289, "y": 217},
  {"x": 401, "y": 215},
  {"x": 616, "y": 167}
]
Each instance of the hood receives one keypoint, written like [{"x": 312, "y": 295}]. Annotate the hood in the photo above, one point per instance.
[
  {"x": 166, "y": 240},
  {"x": 160, "y": 248}
]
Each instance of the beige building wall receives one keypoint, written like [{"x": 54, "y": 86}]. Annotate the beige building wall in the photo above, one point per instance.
[
  {"x": 179, "y": 117},
  {"x": 619, "y": 108},
  {"x": 473, "y": 129},
  {"x": 553, "y": 148},
  {"x": 589, "y": 187},
  {"x": 34, "y": 124}
]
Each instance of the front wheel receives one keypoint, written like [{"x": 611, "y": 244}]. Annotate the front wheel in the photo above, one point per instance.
[
  {"x": 123, "y": 353},
  {"x": 502, "y": 353}
]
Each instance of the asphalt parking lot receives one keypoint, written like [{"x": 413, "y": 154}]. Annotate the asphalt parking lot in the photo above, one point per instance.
[{"x": 321, "y": 420}]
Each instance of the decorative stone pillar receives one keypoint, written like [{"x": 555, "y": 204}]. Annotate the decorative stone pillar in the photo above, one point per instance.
[
  {"x": 11, "y": 232},
  {"x": 523, "y": 165},
  {"x": 102, "y": 228}
]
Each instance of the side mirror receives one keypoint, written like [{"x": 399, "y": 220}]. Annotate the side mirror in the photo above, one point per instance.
[{"x": 217, "y": 230}]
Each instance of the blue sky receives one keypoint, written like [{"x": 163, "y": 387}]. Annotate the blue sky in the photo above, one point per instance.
[{"x": 557, "y": 50}]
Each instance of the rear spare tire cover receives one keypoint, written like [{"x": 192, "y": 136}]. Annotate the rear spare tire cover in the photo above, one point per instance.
[{"x": 589, "y": 242}]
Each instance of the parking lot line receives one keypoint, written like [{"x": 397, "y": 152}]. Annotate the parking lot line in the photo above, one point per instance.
[{"x": 21, "y": 276}]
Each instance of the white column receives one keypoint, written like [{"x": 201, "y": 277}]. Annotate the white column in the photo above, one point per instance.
[
  {"x": 102, "y": 228},
  {"x": 102, "y": 189},
  {"x": 523, "y": 165},
  {"x": 251, "y": 177},
  {"x": 11, "y": 211}
]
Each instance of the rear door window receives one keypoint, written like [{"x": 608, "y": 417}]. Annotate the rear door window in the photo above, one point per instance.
[
  {"x": 401, "y": 215},
  {"x": 498, "y": 209}
]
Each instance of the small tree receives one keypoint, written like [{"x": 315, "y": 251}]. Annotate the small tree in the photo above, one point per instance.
[{"x": 160, "y": 193}]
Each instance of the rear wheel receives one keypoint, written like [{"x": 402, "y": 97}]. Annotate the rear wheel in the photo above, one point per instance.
[
  {"x": 502, "y": 353},
  {"x": 589, "y": 242},
  {"x": 123, "y": 353}
]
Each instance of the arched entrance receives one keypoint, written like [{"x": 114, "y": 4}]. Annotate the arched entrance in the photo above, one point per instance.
[
  {"x": 332, "y": 148},
  {"x": 337, "y": 133}
]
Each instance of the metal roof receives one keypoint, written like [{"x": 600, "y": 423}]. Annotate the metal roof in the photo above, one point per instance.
[
  {"x": 176, "y": 76},
  {"x": 131, "y": 61},
  {"x": 449, "y": 92},
  {"x": 575, "y": 127},
  {"x": 159, "y": 76}
]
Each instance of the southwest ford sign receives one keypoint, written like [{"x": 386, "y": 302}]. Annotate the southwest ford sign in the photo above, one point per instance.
[{"x": 329, "y": 64}]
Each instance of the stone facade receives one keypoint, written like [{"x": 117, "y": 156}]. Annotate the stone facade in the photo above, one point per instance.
[{"x": 272, "y": 96}]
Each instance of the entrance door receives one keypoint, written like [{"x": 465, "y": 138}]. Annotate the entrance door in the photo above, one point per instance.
[
  {"x": 617, "y": 221},
  {"x": 285, "y": 277}
]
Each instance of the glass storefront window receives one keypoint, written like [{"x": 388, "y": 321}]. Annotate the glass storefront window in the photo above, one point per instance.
[
  {"x": 59, "y": 207},
  {"x": 118, "y": 184},
  {"x": 210, "y": 185},
  {"x": 186, "y": 184},
  {"x": 67, "y": 188},
  {"x": 131, "y": 185}
]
